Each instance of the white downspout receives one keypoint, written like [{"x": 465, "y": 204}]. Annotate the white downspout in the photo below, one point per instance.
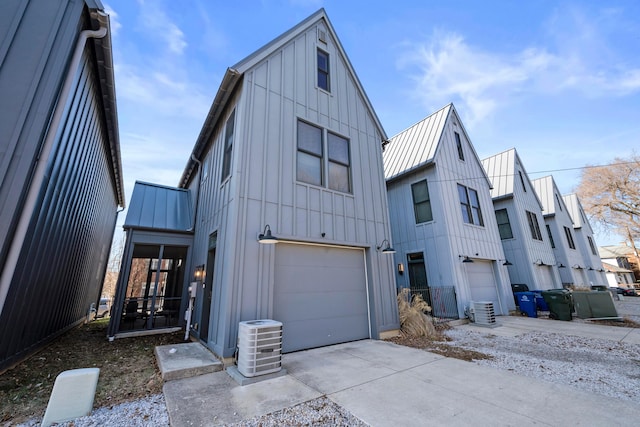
[{"x": 40, "y": 169}]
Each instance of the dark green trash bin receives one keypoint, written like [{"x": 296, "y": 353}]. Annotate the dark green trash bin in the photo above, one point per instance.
[{"x": 559, "y": 302}]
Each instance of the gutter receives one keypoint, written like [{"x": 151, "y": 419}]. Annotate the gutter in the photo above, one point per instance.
[{"x": 41, "y": 163}]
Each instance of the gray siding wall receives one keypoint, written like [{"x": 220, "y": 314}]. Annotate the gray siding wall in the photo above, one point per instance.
[
  {"x": 263, "y": 188},
  {"x": 523, "y": 250},
  {"x": 36, "y": 39},
  {"x": 447, "y": 236},
  {"x": 557, "y": 217},
  {"x": 63, "y": 259}
]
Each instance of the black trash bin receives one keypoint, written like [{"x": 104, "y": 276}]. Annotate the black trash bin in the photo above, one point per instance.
[{"x": 559, "y": 302}]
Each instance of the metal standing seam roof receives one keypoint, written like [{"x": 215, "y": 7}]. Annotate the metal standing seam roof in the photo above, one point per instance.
[
  {"x": 157, "y": 207},
  {"x": 501, "y": 171},
  {"x": 545, "y": 189},
  {"x": 415, "y": 146},
  {"x": 572, "y": 201}
]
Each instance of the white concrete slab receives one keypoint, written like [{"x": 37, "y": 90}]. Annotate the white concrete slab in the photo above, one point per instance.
[
  {"x": 72, "y": 395},
  {"x": 217, "y": 399},
  {"x": 177, "y": 361}
]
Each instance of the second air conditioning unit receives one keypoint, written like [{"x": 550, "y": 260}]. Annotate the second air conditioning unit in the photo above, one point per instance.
[
  {"x": 483, "y": 313},
  {"x": 259, "y": 347}
]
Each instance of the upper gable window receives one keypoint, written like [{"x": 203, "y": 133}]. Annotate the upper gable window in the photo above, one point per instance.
[
  {"x": 323, "y": 70},
  {"x": 470, "y": 205},
  {"x": 228, "y": 145},
  {"x": 421, "y": 202},
  {"x": 559, "y": 202},
  {"x": 459, "y": 146},
  {"x": 522, "y": 181}
]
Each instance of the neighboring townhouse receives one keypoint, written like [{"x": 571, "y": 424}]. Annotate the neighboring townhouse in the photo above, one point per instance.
[
  {"x": 443, "y": 225},
  {"x": 291, "y": 218},
  {"x": 585, "y": 241},
  {"x": 618, "y": 277},
  {"x": 60, "y": 168},
  {"x": 559, "y": 225},
  {"x": 623, "y": 256},
  {"x": 524, "y": 234}
]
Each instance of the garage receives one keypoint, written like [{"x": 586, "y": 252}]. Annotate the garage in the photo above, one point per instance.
[
  {"x": 482, "y": 283},
  {"x": 320, "y": 295}
]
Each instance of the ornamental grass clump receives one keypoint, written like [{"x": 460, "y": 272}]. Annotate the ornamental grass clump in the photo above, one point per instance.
[{"x": 414, "y": 320}]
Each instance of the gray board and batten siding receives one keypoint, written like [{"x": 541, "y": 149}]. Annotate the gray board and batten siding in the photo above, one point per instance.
[
  {"x": 60, "y": 168},
  {"x": 267, "y": 95}
]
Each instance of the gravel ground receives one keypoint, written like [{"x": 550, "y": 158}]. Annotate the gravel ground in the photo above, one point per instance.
[{"x": 604, "y": 367}]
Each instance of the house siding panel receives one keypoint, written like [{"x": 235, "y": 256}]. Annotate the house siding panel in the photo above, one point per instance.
[
  {"x": 71, "y": 228},
  {"x": 275, "y": 93}
]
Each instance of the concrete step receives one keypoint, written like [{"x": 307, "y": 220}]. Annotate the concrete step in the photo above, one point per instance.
[{"x": 186, "y": 360}]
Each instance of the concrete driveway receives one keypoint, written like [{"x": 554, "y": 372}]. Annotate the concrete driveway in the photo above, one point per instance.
[{"x": 384, "y": 384}]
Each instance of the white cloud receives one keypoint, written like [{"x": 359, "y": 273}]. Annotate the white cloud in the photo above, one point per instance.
[
  {"x": 581, "y": 58},
  {"x": 156, "y": 20}
]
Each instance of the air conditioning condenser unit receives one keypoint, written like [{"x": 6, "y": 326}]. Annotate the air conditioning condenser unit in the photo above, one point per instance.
[
  {"x": 483, "y": 313},
  {"x": 259, "y": 347}
]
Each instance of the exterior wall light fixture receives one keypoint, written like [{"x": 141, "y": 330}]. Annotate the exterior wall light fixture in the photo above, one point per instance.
[
  {"x": 387, "y": 249},
  {"x": 266, "y": 237},
  {"x": 198, "y": 274},
  {"x": 466, "y": 259},
  {"x": 506, "y": 262},
  {"x": 401, "y": 269}
]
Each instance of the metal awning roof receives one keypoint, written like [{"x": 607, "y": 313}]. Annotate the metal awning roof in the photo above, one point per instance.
[{"x": 157, "y": 207}]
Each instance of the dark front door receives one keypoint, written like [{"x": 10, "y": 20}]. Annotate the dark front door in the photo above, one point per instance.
[
  {"x": 418, "y": 276},
  {"x": 207, "y": 291}
]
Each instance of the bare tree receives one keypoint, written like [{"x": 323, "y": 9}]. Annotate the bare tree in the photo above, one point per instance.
[{"x": 610, "y": 195}]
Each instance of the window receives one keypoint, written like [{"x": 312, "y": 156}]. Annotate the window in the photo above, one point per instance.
[
  {"x": 421, "y": 202},
  {"x": 313, "y": 167},
  {"x": 470, "y": 205},
  {"x": 567, "y": 232},
  {"x": 522, "y": 181},
  {"x": 592, "y": 246},
  {"x": 504, "y": 227},
  {"x": 553, "y": 245},
  {"x": 228, "y": 145},
  {"x": 323, "y": 70},
  {"x": 339, "y": 176},
  {"x": 459, "y": 145},
  {"x": 533, "y": 226},
  {"x": 559, "y": 202},
  {"x": 310, "y": 154}
]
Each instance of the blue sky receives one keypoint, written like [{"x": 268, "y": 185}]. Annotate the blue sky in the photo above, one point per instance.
[{"x": 559, "y": 81}]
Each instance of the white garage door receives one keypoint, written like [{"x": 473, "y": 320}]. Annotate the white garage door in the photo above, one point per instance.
[
  {"x": 482, "y": 282},
  {"x": 320, "y": 295}
]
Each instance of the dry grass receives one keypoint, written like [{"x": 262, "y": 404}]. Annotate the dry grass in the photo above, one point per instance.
[
  {"x": 419, "y": 331},
  {"x": 414, "y": 322},
  {"x": 128, "y": 370}
]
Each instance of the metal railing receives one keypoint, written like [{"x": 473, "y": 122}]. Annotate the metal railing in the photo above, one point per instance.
[{"x": 442, "y": 301}]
